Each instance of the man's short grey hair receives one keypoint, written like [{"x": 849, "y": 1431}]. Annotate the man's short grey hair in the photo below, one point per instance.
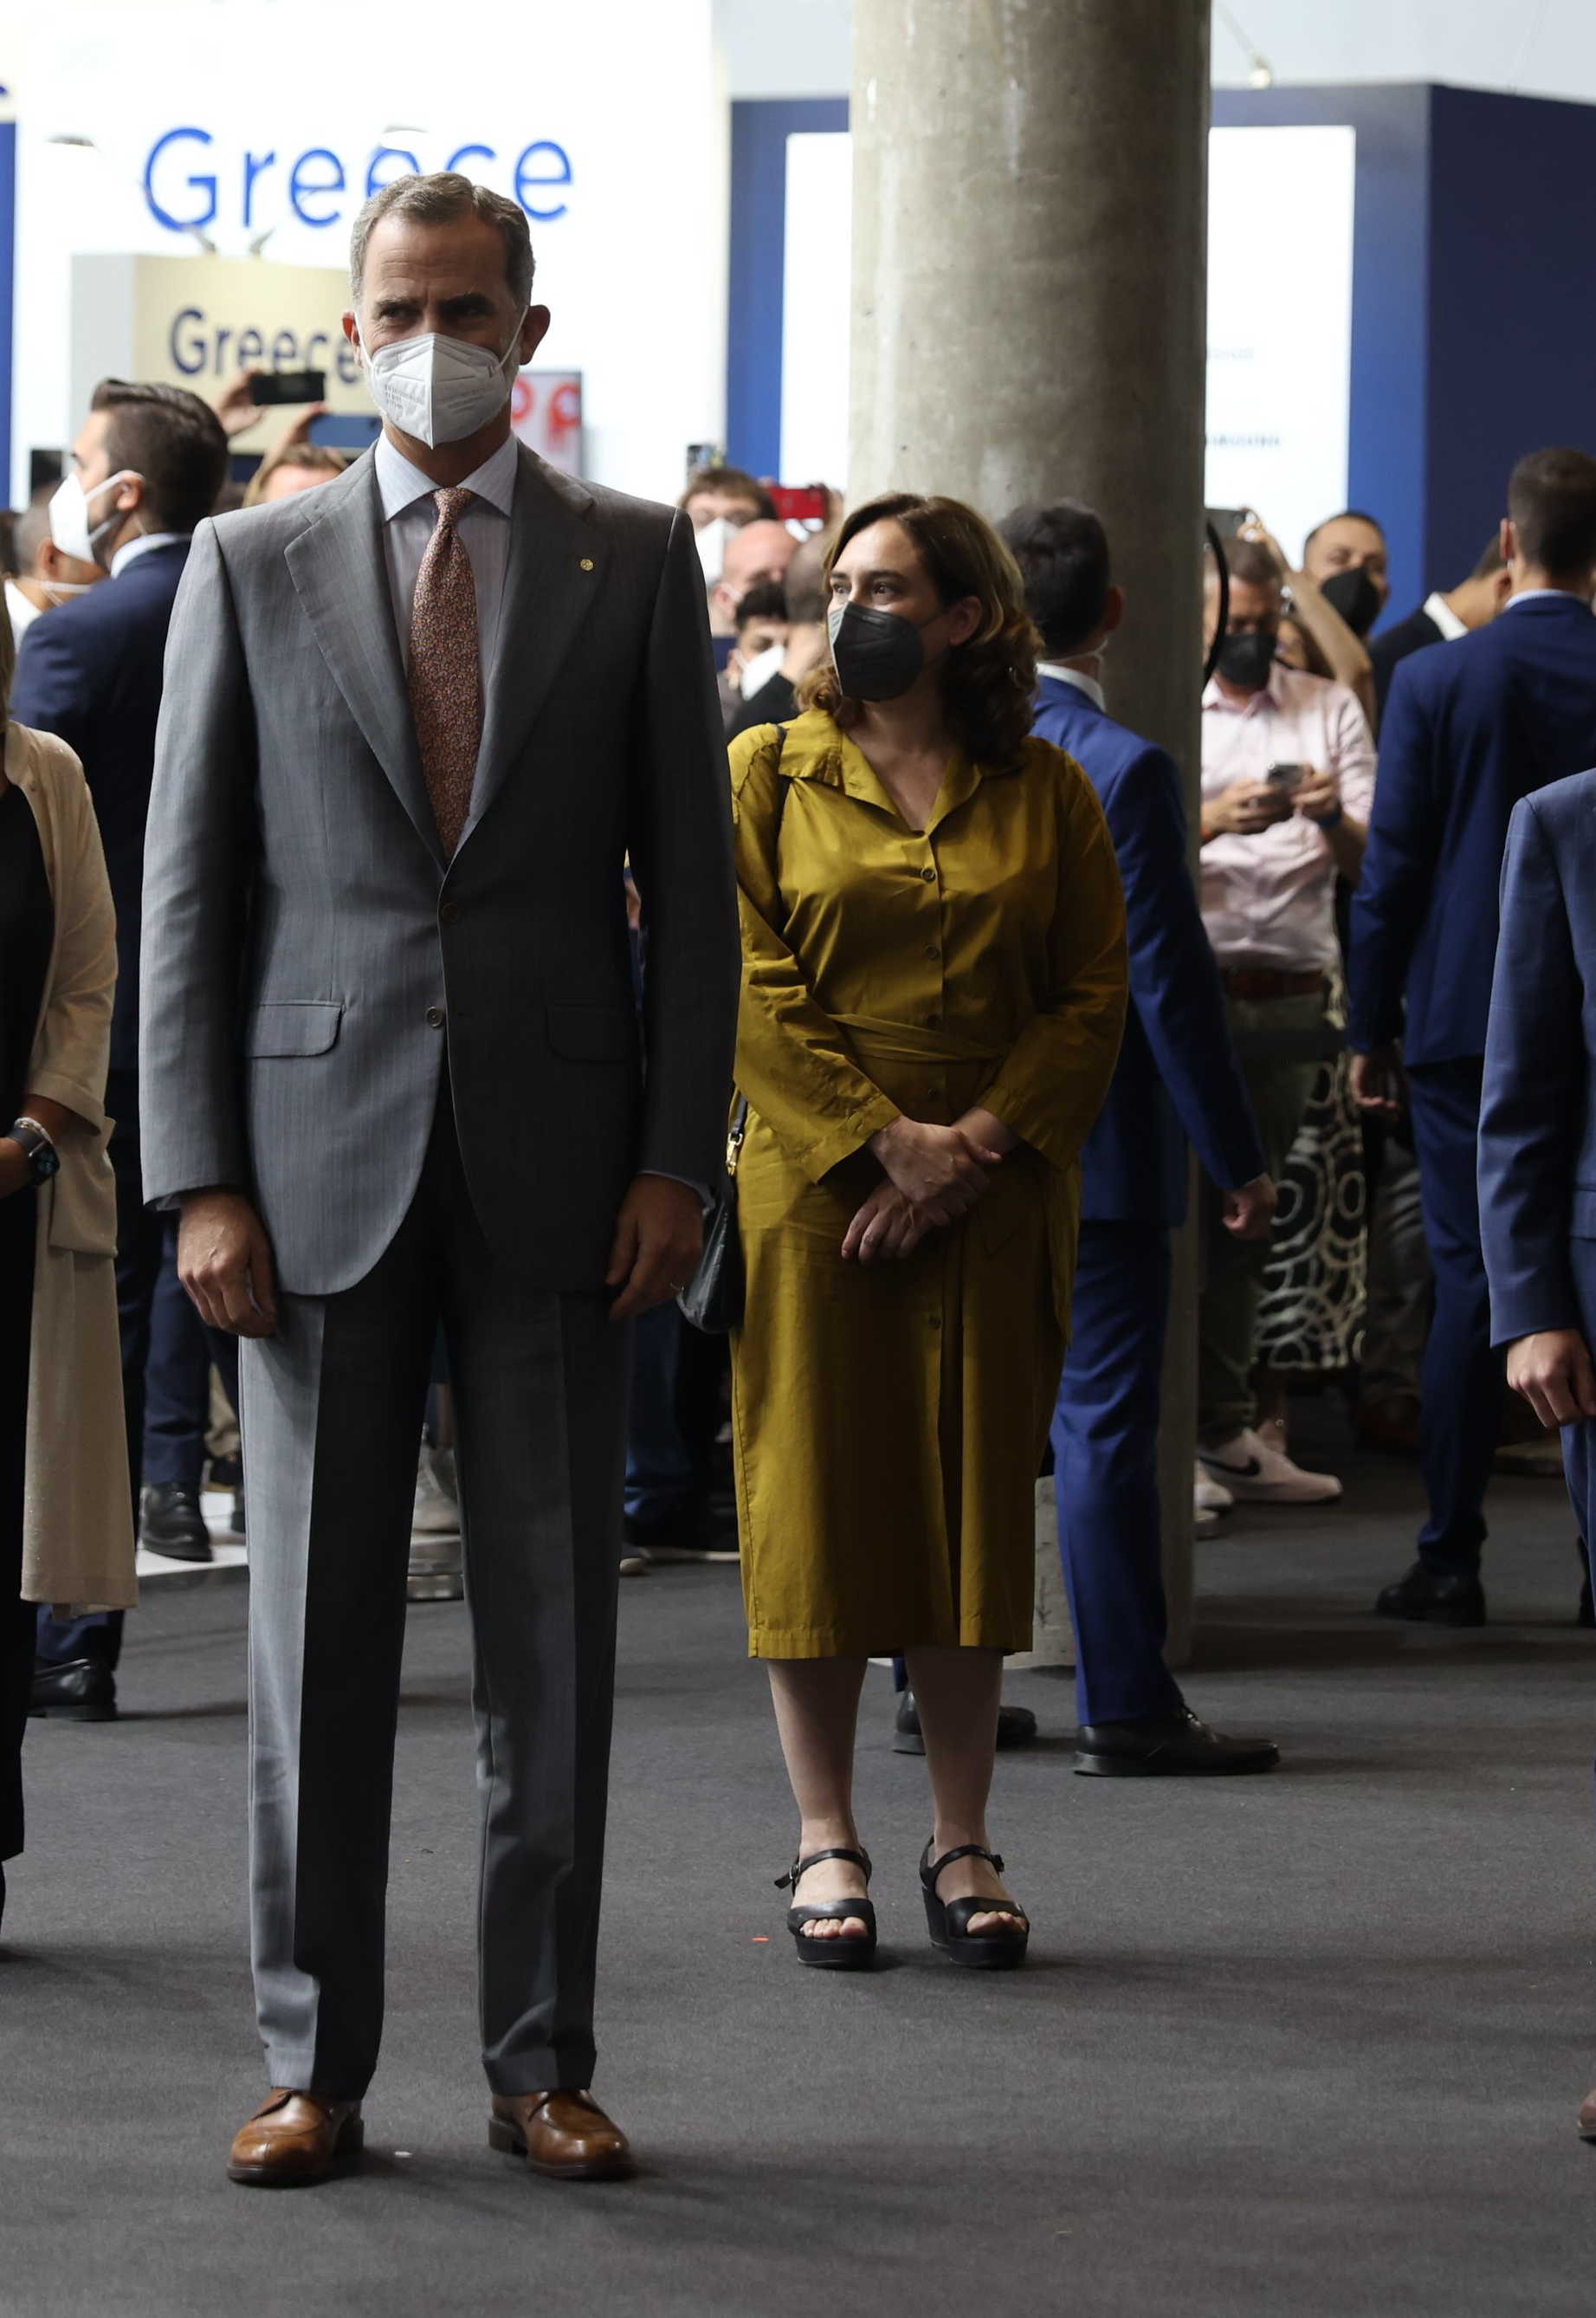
[{"x": 440, "y": 199}]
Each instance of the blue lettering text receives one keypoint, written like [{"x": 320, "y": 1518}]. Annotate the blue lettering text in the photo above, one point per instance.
[
  {"x": 302, "y": 183},
  {"x": 254, "y": 163},
  {"x": 188, "y": 354},
  {"x": 390, "y": 153},
  {"x": 529, "y": 182},
  {"x": 207, "y": 185}
]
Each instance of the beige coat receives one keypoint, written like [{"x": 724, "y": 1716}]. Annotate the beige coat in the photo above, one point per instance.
[{"x": 78, "y": 1519}]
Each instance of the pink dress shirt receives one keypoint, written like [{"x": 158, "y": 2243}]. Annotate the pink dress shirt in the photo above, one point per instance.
[{"x": 1269, "y": 900}]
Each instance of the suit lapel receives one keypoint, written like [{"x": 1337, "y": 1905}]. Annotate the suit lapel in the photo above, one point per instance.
[
  {"x": 556, "y": 564},
  {"x": 340, "y": 574}
]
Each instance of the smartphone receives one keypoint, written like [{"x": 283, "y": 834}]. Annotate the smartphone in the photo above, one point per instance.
[
  {"x": 1228, "y": 521},
  {"x": 800, "y": 504},
  {"x": 288, "y": 386},
  {"x": 1286, "y": 777},
  {"x": 342, "y": 430}
]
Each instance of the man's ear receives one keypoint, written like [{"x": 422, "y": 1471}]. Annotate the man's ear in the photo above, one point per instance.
[
  {"x": 534, "y": 329},
  {"x": 1507, "y": 539},
  {"x": 1113, "y": 611},
  {"x": 350, "y": 323}
]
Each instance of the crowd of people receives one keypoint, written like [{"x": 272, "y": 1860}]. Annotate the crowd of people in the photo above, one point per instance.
[{"x": 448, "y": 909}]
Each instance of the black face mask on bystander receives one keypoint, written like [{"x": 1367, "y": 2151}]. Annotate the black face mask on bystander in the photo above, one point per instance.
[
  {"x": 1354, "y": 595},
  {"x": 1246, "y": 659}
]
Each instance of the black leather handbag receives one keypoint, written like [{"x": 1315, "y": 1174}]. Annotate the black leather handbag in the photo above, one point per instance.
[{"x": 712, "y": 1298}]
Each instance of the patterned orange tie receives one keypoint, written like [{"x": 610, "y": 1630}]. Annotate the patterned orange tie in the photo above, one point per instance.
[{"x": 446, "y": 672}]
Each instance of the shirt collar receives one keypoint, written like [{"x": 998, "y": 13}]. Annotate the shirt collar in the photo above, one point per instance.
[
  {"x": 1061, "y": 673},
  {"x": 1274, "y": 692},
  {"x": 131, "y": 549},
  {"x": 1544, "y": 595},
  {"x": 1438, "y": 610},
  {"x": 402, "y": 482}
]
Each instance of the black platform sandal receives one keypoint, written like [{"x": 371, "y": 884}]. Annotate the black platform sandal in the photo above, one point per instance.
[
  {"x": 845, "y": 1951},
  {"x": 947, "y": 1920}
]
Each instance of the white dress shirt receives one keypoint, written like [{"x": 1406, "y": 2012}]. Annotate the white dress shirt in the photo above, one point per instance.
[
  {"x": 22, "y": 612},
  {"x": 1063, "y": 674},
  {"x": 1269, "y": 900},
  {"x": 411, "y": 516},
  {"x": 1436, "y": 608}
]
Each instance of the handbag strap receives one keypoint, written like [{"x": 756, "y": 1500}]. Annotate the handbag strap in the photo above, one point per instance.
[{"x": 739, "y": 1116}]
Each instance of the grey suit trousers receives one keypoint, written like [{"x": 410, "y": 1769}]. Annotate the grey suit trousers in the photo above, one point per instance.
[{"x": 332, "y": 1416}]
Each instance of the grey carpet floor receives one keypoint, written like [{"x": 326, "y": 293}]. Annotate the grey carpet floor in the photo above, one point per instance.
[{"x": 1302, "y": 2046}]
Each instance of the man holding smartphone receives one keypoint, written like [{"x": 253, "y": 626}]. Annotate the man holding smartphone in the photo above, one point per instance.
[{"x": 1288, "y": 773}]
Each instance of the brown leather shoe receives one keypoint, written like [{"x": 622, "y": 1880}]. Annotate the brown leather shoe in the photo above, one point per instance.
[
  {"x": 565, "y": 2134},
  {"x": 294, "y": 2138},
  {"x": 1588, "y": 2118}
]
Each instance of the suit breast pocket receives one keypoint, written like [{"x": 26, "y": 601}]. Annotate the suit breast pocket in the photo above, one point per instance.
[{"x": 292, "y": 1028}]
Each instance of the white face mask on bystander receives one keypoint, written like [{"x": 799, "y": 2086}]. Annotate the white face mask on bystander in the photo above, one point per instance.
[
  {"x": 69, "y": 524},
  {"x": 440, "y": 390}
]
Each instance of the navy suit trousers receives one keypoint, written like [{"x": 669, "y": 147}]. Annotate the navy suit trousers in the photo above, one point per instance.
[
  {"x": 1105, "y": 1446},
  {"x": 1462, "y": 1375}
]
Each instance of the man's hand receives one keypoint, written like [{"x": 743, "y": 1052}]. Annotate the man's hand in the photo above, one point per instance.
[
  {"x": 659, "y": 1240},
  {"x": 236, "y": 406},
  {"x": 1249, "y": 1209},
  {"x": 1245, "y": 808},
  {"x": 1316, "y": 797},
  {"x": 886, "y": 1225},
  {"x": 941, "y": 1169},
  {"x": 224, "y": 1261},
  {"x": 1379, "y": 1084},
  {"x": 1553, "y": 1371}
]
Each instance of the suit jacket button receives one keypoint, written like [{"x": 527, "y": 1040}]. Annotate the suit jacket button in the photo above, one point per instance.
[
  {"x": 450, "y": 913},
  {"x": 435, "y": 1015}
]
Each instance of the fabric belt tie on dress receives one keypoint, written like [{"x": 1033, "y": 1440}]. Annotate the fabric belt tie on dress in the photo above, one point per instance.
[
  {"x": 910, "y": 1042},
  {"x": 1269, "y": 981}
]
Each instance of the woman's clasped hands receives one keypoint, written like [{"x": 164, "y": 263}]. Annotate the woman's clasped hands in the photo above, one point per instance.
[{"x": 934, "y": 1174}]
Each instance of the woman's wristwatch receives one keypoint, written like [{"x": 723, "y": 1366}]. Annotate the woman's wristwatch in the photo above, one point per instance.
[{"x": 42, "y": 1158}]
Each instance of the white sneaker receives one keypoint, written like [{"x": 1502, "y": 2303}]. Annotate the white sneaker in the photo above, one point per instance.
[
  {"x": 1210, "y": 1496},
  {"x": 1259, "y": 1475},
  {"x": 436, "y": 1514}
]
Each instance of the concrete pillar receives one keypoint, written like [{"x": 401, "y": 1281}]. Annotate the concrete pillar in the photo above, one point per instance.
[{"x": 1028, "y": 286}]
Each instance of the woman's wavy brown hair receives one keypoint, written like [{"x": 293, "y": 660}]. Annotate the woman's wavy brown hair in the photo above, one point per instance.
[{"x": 988, "y": 680}]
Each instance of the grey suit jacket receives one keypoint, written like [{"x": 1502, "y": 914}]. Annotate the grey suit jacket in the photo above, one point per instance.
[{"x": 310, "y": 957}]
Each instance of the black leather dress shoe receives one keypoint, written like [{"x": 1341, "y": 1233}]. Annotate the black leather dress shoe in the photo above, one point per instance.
[
  {"x": 74, "y": 1690},
  {"x": 1176, "y": 1745},
  {"x": 1017, "y": 1727},
  {"x": 170, "y": 1522},
  {"x": 1434, "y": 1598}
]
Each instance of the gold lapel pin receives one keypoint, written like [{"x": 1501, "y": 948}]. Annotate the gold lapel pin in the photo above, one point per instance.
[{"x": 586, "y": 563}]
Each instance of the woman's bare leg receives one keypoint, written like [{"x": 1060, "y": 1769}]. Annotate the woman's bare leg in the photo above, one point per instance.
[
  {"x": 817, "y": 1714},
  {"x": 957, "y": 1693}
]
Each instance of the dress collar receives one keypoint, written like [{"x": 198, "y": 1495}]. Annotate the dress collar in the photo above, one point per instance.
[{"x": 401, "y": 482}]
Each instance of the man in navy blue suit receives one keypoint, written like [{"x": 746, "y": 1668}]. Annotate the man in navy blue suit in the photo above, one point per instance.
[
  {"x": 1470, "y": 728},
  {"x": 146, "y": 469},
  {"x": 1176, "y": 1077},
  {"x": 1537, "y": 1133}
]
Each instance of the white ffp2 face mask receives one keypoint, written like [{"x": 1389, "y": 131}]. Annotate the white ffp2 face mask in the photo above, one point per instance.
[
  {"x": 757, "y": 672},
  {"x": 69, "y": 524},
  {"x": 440, "y": 390}
]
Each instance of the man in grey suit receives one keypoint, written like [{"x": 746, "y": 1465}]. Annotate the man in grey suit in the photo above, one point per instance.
[{"x": 414, "y": 723}]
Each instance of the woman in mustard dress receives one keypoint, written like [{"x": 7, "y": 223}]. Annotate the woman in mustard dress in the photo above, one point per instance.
[{"x": 934, "y": 987}]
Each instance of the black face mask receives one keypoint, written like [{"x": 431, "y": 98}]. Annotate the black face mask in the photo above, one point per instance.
[
  {"x": 1245, "y": 660},
  {"x": 877, "y": 655},
  {"x": 1354, "y": 595}
]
